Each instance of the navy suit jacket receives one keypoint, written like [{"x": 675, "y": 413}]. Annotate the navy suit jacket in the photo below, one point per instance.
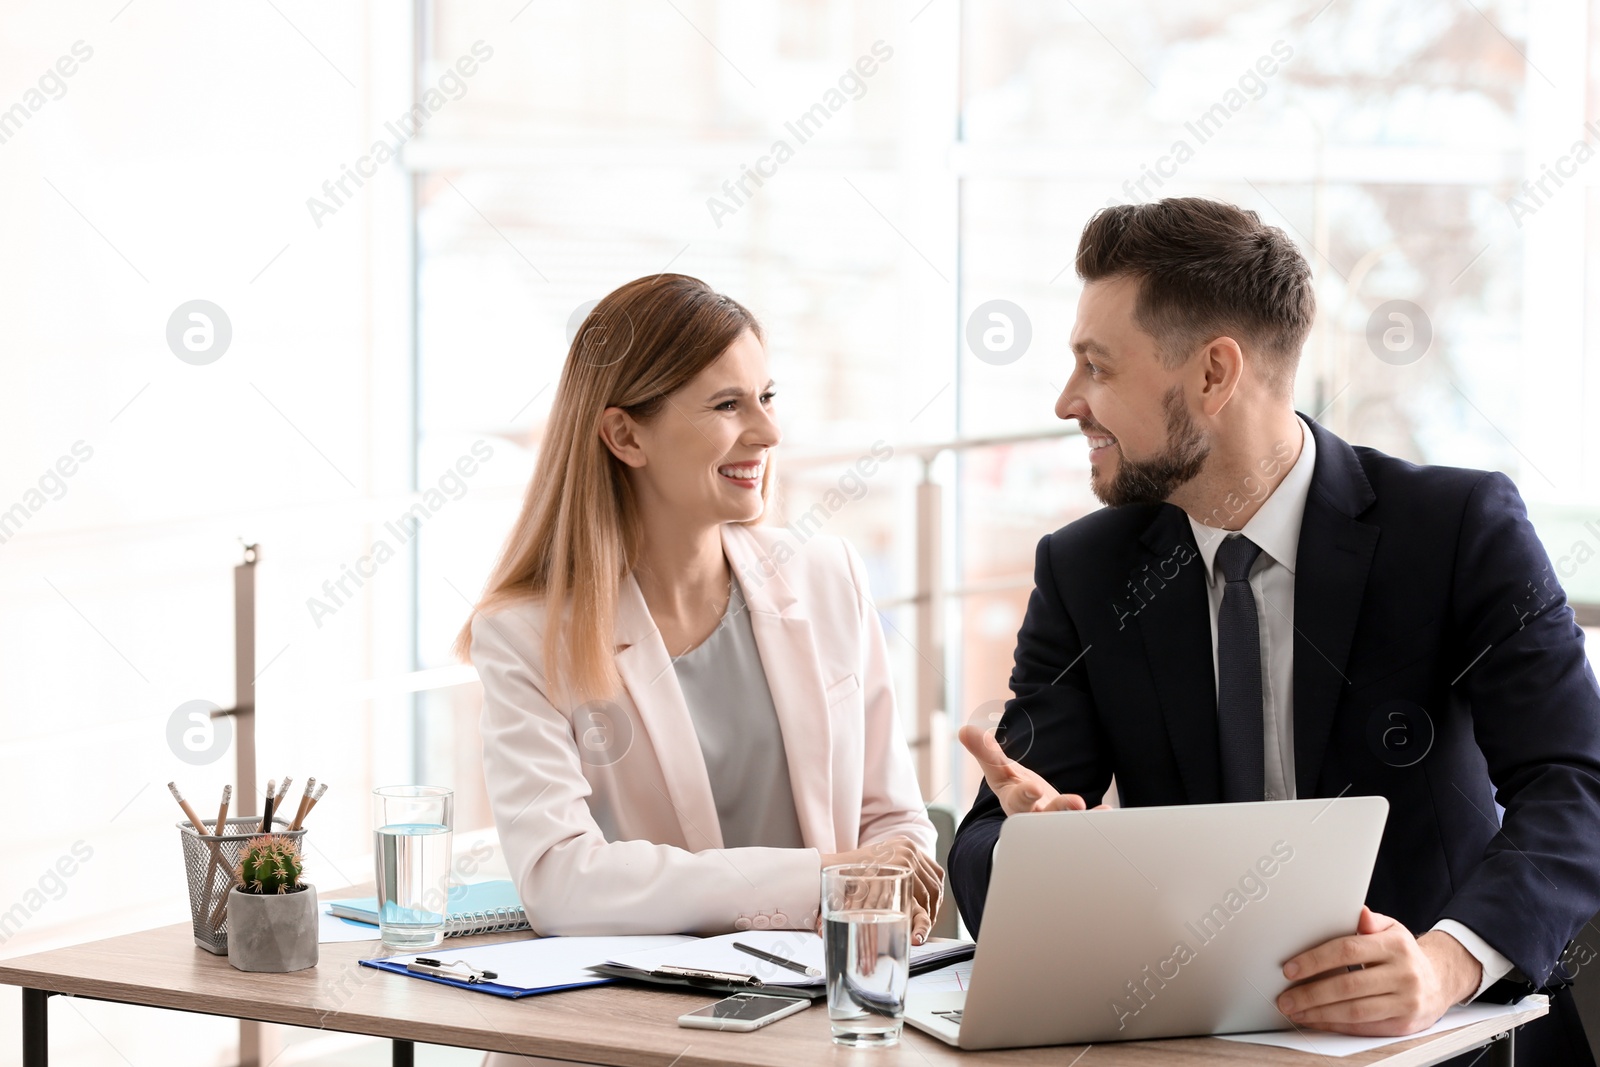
[{"x": 1436, "y": 663}]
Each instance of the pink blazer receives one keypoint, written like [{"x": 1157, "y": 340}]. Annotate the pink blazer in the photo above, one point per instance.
[{"x": 605, "y": 810}]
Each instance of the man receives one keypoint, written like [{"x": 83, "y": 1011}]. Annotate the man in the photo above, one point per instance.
[{"x": 1265, "y": 612}]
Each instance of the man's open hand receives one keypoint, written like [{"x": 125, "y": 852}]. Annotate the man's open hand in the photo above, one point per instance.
[{"x": 1017, "y": 788}]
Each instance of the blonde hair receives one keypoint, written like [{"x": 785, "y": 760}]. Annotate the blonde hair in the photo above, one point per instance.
[{"x": 577, "y": 536}]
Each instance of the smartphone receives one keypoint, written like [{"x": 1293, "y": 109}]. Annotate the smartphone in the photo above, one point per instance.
[{"x": 742, "y": 1012}]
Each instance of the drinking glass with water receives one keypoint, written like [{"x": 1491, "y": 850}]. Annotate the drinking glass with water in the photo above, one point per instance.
[
  {"x": 866, "y": 934},
  {"x": 412, "y": 839}
]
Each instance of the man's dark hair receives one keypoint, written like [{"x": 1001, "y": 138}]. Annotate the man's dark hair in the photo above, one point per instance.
[{"x": 1206, "y": 269}]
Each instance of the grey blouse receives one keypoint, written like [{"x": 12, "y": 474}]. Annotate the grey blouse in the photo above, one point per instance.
[{"x": 726, "y": 689}]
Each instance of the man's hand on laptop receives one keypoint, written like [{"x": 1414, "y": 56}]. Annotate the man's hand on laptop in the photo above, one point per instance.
[
  {"x": 1404, "y": 983},
  {"x": 1016, "y": 787}
]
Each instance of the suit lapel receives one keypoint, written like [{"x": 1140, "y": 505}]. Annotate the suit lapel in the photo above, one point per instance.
[
  {"x": 789, "y": 657},
  {"x": 1333, "y": 558},
  {"x": 1179, "y": 651},
  {"x": 647, "y": 673}
]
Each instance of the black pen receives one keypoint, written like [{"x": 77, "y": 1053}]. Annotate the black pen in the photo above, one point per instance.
[{"x": 761, "y": 954}]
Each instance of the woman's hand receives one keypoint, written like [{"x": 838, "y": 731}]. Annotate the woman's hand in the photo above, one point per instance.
[{"x": 927, "y": 877}]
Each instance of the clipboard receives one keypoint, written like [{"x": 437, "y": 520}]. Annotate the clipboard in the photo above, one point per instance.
[
  {"x": 705, "y": 982},
  {"x": 493, "y": 988},
  {"x": 708, "y": 964},
  {"x": 528, "y": 966}
]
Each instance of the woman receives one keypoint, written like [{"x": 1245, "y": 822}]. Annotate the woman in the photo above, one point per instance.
[{"x": 686, "y": 715}]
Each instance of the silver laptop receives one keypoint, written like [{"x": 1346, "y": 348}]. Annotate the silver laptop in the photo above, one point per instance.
[{"x": 1154, "y": 922}]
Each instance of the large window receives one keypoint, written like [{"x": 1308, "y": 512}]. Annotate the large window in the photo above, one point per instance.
[{"x": 1388, "y": 138}]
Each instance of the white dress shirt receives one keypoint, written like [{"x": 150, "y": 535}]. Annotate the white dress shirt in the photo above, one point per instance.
[{"x": 1275, "y": 528}]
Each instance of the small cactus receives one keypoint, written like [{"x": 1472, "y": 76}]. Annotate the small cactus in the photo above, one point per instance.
[{"x": 270, "y": 864}]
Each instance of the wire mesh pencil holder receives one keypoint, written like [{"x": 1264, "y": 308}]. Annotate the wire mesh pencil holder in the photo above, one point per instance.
[{"x": 210, "y": 861}]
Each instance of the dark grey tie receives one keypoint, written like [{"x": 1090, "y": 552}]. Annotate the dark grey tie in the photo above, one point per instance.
[{"x": 1239, "y": 727}]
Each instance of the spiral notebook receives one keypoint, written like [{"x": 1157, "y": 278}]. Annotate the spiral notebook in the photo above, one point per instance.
[{"x": 479, "y": 908}]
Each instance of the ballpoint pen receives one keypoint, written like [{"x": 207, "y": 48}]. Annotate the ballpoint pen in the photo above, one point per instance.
[
  {"x": 762, "y": 954},
  {"x": 440, "y": 969},
  {"x": 703, "y": 976}
]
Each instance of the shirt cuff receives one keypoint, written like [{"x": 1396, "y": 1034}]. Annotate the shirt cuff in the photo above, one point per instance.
[{"x": 1495, "y": 966}]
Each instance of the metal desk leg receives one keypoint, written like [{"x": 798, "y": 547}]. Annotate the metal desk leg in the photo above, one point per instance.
[
  {"x": 405, "y": 1053},
  {"x": 1503, "y": 1052},
  {"x": 35, "y": 1028}
]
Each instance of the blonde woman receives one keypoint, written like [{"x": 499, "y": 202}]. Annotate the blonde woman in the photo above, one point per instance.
[{"x": 686, "y": 714}]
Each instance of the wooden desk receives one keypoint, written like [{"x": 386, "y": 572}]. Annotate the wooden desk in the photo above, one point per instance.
[{"x": 626, "y": 1026}]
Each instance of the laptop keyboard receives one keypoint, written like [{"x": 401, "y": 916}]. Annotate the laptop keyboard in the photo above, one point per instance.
[{"x": 953, "y": 1015}]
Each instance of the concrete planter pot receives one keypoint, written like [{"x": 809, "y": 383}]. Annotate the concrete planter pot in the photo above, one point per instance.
[{"x": 273, "y": 932}]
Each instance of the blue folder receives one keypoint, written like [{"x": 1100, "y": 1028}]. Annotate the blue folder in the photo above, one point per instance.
[{"x": 536, "y": 964}]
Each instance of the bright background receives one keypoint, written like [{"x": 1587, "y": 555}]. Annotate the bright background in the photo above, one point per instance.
[{"x": 376, "y": 343}]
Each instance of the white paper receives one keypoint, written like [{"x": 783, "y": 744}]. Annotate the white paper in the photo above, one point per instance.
[
  {"x": 956, "y": 978},
  {"x": 1322, "y": 1043},
  {"x": 332, "y": 929},
  {"x": 539, "y": 963},
  {"x": 718, "y": 954}
]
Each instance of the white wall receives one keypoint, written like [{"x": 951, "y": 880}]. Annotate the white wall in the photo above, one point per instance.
[{"x": 174, "y": 166}]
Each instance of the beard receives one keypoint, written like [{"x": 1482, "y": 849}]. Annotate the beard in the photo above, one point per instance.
[{"x": 1152, "y": 481}]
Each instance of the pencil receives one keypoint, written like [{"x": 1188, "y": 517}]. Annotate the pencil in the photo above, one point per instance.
[
  {"x": 266, "y": 810},
  {"x": 194, "y": 820},
  {"x": 321, "y": 789},
  {"x": 305, "y": 799},
  {"x": 283, "y": 791},
  {"x": 219, "y": 913},
  {"x": 217, "y": 829},
  {"x": 200, "y": 829},
  {"x": 222, "y": 813}
]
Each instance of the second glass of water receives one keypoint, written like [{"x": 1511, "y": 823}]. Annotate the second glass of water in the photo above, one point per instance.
[
  {"x": 412, "y": 839},
  {"x": 866, "y": 932}
]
